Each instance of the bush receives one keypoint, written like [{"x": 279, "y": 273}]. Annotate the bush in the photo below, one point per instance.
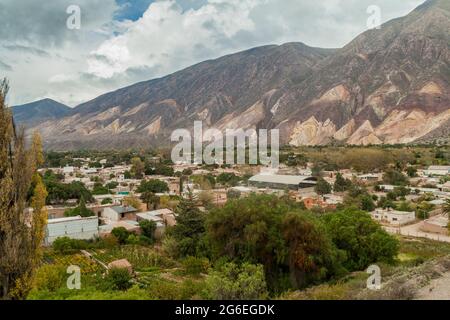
[
  {"x": 233, "y": 282},
  {"x": 107, "y": 201},
  {"x": 49, "y": 277},
  {"x": 121, "y": 234},
  {"x": 148, "y": 228},
  {"x": 66, "y": 245},
  {"x": 195, "y": 266},
  {"x": 118, "y": 279}
]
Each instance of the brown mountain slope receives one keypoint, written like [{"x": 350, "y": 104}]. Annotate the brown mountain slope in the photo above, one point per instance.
[{"x": 386, "y": 86}]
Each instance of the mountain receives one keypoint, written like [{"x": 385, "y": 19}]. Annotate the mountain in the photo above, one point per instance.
[
  {"x": 388, "y": 85},
  {"x": 39, "y": 111}
]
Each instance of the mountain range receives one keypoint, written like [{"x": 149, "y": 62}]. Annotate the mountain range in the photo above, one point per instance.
[{"x": 387, "y": 86}]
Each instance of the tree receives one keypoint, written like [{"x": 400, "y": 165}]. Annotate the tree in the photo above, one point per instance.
[
  {"x": 263, "y": 229},
  {"x": 206, "y": 198},
  {"x": 153, "y": 185},
  {"x": 228, "y": 179},
  {"x": 233, "y": 194},
  {"x": 395, "y": 178},
  {"x": 322, "y": 187},
  {"x": 363, "y": 240},
  {"x": 312, "y": 256},
  {"x": 80, "y": 210},
  {"x": 150, "y": 199},
  {"x": 190, "y": 228},
  {"x": 148, "y": 228},
  {"x": 137, "y": 167},
  {"x": 107, "y": 201},
  {"x": 19, "y": 243},
  {"x": 233, "y": 282},
  {"x": 341, "y": 184},
  {"x": 411, "y": 171},
  {"x": 132, "y": 201}
]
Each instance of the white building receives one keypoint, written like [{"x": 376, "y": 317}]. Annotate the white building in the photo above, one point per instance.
[
  {"x": 393, "y": 217},
  {"x": 72, "y": 227},
  {"x": 437, "y": 171}
]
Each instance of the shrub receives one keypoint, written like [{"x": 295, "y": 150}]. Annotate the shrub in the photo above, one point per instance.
[
  {"x": 121, "y": 234},
  {"x": 148, "y": 228},
  {"x": 233, "y": 282},
  {"x": 118, "y": 279},
  {"x": 196, "y": 266},
  {"x": 66, "y": 245}
]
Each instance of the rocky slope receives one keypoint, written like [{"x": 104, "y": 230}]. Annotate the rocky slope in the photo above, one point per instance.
[
  {"x": 386, "y": 86},
  {"x": 39, "y": 111}
]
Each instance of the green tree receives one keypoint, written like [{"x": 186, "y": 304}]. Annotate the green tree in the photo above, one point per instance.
[
  {"x": 362, "y": 239},
  {"x": 80, "y": 210},
  {"x": 233, "y": 194},
  {"x": 148, "y": 228},
  {"x": 395, "y": 178},
  {"x": 153, "y": 185},
  {"x": 274, "y": 232},
  {"x": 151, "y": 200},
  {"x": 190, "y": 228},
  {"x": 19, "y": 242},
  {"x": 322, "y": 187},
  {"x": 137, "y": 168},
  {"x": 341, "y": 184}
]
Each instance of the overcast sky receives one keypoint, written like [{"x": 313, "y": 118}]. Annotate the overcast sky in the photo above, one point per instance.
[{"x": 121, "y": 42}]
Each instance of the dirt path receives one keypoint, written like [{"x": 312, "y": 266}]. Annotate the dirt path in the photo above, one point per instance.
[
  {"x": 438, "y": 289},
  {"x": 413, "y": 230}
]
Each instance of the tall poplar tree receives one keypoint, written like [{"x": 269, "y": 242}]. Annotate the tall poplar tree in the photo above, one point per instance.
[{"x": 21, "y": 232}]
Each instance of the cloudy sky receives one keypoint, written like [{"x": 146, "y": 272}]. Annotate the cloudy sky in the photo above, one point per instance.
[{"x": 121, "y": 42}]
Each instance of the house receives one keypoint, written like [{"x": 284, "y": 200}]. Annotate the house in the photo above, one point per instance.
[
  {"x": 72, "y": 227},
  {"x": 118, "y": 213},
  {"x": 282, "y": 182},
  {"x": 437, "y": 171},
  {"x": 162, "y": 218},
  {"x": 393, "y": 217},
  {"x": 370, "y": 177},
  {"x": 68, "y": 170}
]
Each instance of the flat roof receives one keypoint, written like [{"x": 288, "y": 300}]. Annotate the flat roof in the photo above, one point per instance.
[
  {"x": 281, "y": 179},
  {"x": 439, "y": 168},
  {"x": 67, "y": 219}
]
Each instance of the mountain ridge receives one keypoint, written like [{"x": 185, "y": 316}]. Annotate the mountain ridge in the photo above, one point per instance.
[{"x": 379, "y": 88}]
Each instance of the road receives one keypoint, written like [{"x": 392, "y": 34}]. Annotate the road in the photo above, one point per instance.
[{"x": 413, "y": 230}]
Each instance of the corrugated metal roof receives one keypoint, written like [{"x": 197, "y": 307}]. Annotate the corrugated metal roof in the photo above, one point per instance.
[
  {"x": 282, "y": 179},
  {"x": 122, "y": 209}
]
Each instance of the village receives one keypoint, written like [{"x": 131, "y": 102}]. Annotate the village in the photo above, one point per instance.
[{"x": 409, "y": 203}]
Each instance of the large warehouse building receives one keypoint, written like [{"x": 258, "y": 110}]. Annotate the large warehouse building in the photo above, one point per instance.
[{"x": 282, "y": 182}]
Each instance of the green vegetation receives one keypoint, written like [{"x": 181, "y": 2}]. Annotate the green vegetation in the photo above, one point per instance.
[{"x": 80, "y": 210}]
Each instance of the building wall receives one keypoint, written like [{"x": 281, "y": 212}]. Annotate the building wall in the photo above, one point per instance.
[
  {"x": 110, "y": 214},
  {"x": 85, "y": 229}
]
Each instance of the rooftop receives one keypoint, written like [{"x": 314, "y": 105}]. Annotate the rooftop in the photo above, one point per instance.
[
  {"x": 282, "y": 179},
  {"x": 67, "y": 219},
  {"x": 122, "y": 209}
]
